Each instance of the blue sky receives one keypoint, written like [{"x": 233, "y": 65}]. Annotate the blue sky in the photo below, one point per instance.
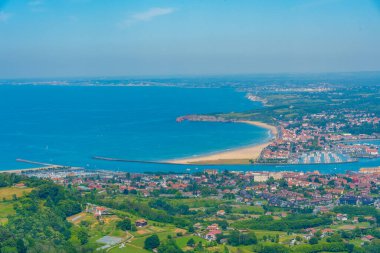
[{"x": 62, "y": 38}]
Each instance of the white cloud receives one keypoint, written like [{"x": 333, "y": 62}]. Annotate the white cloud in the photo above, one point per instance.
[
  {"x": 4, "y": 16},
  {"x": 35, "y": 2},
  {"x": 37, "y": 6},
  {"x": 152, "y": 13},
  {"x": 147, "y": 15}
]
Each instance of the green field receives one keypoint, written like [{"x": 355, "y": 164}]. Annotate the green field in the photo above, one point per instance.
[
  {"x": 195, "y": 203},
  {"x": 6, "y": 196},
  {"x": 182, "y": 241},
  {"x": 6, "y": 209},
  {"x": 129, "y": 249},
  {"x": 248, "y": 209},
  {"x": 8, "y": 192}
]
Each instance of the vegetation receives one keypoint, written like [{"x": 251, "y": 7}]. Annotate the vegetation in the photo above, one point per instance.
[
  {"x": 125, "y": 224},
  {"x": 293, "y": 222},
  {"x": 39, "y": 223},
  {"x": 152, "y": 242},
  {"x": 356, "y": 210},
  {"x": 50, "y": 219}
]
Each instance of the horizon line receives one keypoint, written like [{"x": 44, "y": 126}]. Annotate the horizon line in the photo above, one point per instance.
[{"x": 169, "y": 76}]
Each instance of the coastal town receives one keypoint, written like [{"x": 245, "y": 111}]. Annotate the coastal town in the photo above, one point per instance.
[
  {"x": 275, "y": 202},
  {"x": 301, "y": 190},
  {"x": 319, "y": 131},
  {"x": 318, "y": 138},
  {"x": 198, "y": 126},
  {"x": 211, "y": 206}
]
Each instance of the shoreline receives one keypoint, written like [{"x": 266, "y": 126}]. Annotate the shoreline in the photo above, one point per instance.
[
  {"x": 241, "y": 155},
  {"x": 19, "y": 171},
  {"x": 41, "y": 166}
]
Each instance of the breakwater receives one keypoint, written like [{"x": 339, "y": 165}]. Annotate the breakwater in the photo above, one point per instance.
[{"x": 131, "y": 161}]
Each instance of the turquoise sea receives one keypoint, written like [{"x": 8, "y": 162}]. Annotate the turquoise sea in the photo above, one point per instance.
[{"x": 68, "y": 125}]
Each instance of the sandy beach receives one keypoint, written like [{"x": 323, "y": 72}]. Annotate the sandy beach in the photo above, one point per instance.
[{"x": 236, "y": 156}]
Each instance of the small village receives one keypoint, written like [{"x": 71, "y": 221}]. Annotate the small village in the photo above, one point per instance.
[
  {"x": 284, "y": 189},
  {"x": 224, "y": 202}
]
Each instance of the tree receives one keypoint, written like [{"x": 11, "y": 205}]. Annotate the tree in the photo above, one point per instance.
[
  {"x": 357, "y": 232},
  {"x": 313, "y": 240},
  {"x": 85, "y": 223},
  {"x": 190, "y": 242},
  {"x": 69, "y": 207},
  {"x": 283, "y": 183},
  {"x": 334, "y": 238},
  {"x": 152, "y": 242},
  {"x": 124, "y": 224},
  {"x": 249, "y": 238},
  {"x": 39, "y": 223},
  {"x": 199, "y": 246},
  {"x": 350, "y": 247},
  {"x": 20, "y": 246},
  {"x": 223, "y": 224},
  {"x": 236, "y": 238},
  {"x": 373, "y": 247},
  {"x": 49, "y": 189},
  {"x": 8, "y": 249},
  {"x": 273, "y": 248},
  {"x": 83, "y": 236},
  {"x": 169, "y": 246},
  {"x": 270, "y": 181},
  {"x": 229, "y": 196}
]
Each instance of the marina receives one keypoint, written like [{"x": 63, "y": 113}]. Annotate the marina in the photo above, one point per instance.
[{"x": 323, "y": 157}]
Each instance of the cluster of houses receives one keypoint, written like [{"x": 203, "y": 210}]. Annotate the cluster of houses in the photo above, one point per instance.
[
  {"x": 283, "y": 189},
  {"x": 359, "y": 149},
  {"x": 210, "y": 233},
  {"x": 298, "y": 137},
  {"x": 320, "y": 192},
  {"x": 97, "y": 211},
  {"x": 306, "y": 190}
]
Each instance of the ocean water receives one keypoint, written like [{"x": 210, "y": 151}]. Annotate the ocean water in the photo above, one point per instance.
[{"x": 68, "y": 125}]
